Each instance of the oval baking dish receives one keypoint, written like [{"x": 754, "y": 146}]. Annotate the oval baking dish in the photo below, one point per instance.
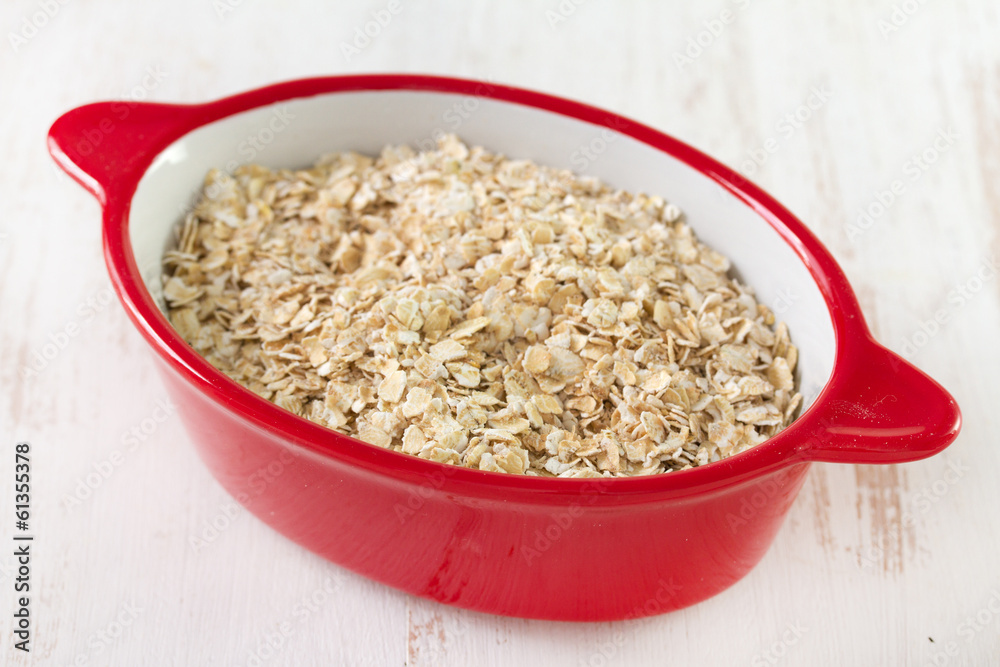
[{"x": 567, "y": 549}]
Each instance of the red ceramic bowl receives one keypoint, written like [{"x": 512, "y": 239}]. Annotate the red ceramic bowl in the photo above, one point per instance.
[{"x": 515, "y": 545}]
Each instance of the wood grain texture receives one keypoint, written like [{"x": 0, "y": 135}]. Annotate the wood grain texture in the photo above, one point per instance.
[{"x": 872, "y": 563}]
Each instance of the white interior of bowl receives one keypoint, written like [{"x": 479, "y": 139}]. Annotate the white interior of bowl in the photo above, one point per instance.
[{"x": 295, "y": 133}]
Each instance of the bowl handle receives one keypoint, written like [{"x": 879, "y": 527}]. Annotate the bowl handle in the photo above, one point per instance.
[
  {"x": 105, "y": 146},
  {"x": 879, "y": 409}
]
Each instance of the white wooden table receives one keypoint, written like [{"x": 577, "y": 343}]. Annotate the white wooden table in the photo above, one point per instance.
[{"x": 118, "y": 492}]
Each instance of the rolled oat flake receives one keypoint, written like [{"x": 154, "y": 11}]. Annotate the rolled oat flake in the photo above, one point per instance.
[{"x": 479, "y": 311}]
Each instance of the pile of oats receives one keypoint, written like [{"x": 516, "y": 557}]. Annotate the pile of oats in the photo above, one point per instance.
[{"x": 479, "y": 311}]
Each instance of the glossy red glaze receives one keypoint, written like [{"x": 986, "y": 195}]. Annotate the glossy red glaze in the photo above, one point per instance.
[{"x": 502, "y": 544}]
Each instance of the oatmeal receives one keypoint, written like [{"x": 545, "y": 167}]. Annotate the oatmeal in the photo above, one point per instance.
[{"x": 479, "y": 311}]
